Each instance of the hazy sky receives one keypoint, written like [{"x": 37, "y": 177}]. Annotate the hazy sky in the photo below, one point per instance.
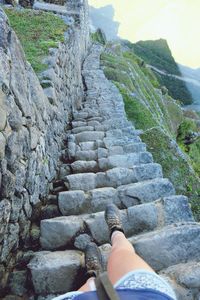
[{"x": 178, "y": 21}]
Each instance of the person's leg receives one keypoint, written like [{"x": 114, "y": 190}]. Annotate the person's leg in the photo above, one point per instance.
[
  {"x": 88, "y": 286},
  {"x": 123, "y": 258}
]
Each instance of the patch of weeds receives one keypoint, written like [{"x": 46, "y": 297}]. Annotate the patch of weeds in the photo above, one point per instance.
[{"x": 37, "y": 32}]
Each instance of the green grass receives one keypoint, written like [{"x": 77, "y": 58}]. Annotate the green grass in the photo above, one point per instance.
[
  {"x": 98, "y": 36},
  {"x": 37, "y": 32},
  {"x": 187, "y": 127},
  {"x": 136, "y": 112},
  {"x": 176, "y": 167}
]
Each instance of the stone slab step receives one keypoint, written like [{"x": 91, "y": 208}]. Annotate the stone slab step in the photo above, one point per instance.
[
  {"x": 113, "y": 177},
  {"x": 82, "y": 128},
  {"x": 55, "y": 272},
  {"x": 49, "y": 7},
  {"x": 89, "y": 136},
  {"x": 141, "y": 218},
  {"x": 76, "y": 124},
  {"x": 145, "y": 191},
  {"x": 109, "y": 142},
  {"x": 86, "y": 155},
  {"x": 186, "y": 274},
  {"x": 169, "y": 246},
  {"x": 81, "y": 166},
  {"x": 180, "y": 291},
  {"x": 125, "y": 161},
  {"x": 61, "y": 231}
]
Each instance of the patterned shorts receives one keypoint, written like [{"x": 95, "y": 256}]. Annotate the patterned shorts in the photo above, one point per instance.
[{"x": 139, "y": 279}]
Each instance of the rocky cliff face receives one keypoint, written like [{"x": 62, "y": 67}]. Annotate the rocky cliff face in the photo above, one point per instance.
[{"x": 32, "y": 129}]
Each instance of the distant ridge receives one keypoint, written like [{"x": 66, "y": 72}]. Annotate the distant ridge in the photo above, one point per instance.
[
  {"x": 103, "y": 18},
  {"x": 158, "y": 54}
]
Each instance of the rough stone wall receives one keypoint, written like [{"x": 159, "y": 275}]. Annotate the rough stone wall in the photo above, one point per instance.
[{"x": 32, "y": 124}]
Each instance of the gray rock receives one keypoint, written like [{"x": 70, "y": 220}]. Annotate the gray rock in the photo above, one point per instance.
[
  {"x": 142, "y": 217},
  {"x": 17, "y": 204},
  {"x": 71, "y": 202},
  {"x": 17, "y": 281},
  {"x": 81, "y": 129},
  {"x": 169, "y": 246},
  {"x": 115, "y": 150},
  {"x": 5, "y": 210},
  {"x": 11, "y": 241},
  {"x": 87, "y": 146},
  {"x": 55, "y": 272},
  {"x": 7, "y": 184},
  {"x": 144, "y": 172},
  {"x": 177, "y": 208},
  {"x": 119, "y": 176},
  {"x": 59, "y": 232},
  {"x": 180, "y": 291},
  {"x": 82, "y": 241},
  {"x": 3, "y": 118},
  {"x": 79, "y": 124},
  {"x": 83, "y": 182},
  {"x": 125, "y": 161},
  {"x": 89, "y": 136},
  {"x": 98, "y": 227},
  {"x": 186, "y": 274},
  {"x": 101, "y": 197},
  {"x": 50, "y": 211},
  {"x": 34, "y": 135},
  {"x": 5, "y": 31},
  {"x": 145, "y": 191},
  {"x": 81, "y": 166},
  {"x": 2, "y": 146},
  {"x": 86, "y": 155},
  {"x": 136, "y": 147},
  {"x": 64, "y": 171}
]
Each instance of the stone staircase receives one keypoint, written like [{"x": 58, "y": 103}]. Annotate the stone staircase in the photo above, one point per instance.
[{"x": 105, "y": 162}]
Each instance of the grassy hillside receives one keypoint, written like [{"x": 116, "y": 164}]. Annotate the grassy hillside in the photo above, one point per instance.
[
  {"x": 150, "y": 108},
  {"x": 37, "y": 32},
  {"x": 158, "y": 54}
]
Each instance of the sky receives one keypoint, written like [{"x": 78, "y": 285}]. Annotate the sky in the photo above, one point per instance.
[{"x": 177, "y": 21}]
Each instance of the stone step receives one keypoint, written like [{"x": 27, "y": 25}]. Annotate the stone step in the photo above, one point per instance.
[
  {"x": 89, "y": 136},
  {"x": 172, "y": 245},
  {"x": 145, "y": 191},
  {"x": 61, "y": 231},
  {"x": 81, "y": 166},
  {"x": 112, "y": 150},
  {"x": 113, "y": 177},
  {"x": 95, "y": 200},
  {"x": 186, "y": 274},
  {"x": 109, "y": 142},
  {"x": 76, "y": 124},
  {"x": 86, "y": 155},
  {"x": 125, "y": 161},
  {"x": 141, "y": 218},
  {"x": 181, "y": 292},
  {"x": 55, "y": 272},
  {"x": 82, "y": 128},
  {"x": 169, "y": 246}
]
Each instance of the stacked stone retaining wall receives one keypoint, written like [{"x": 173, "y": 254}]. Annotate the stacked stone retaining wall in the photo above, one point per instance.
[{"x": 34, "y": 115}]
